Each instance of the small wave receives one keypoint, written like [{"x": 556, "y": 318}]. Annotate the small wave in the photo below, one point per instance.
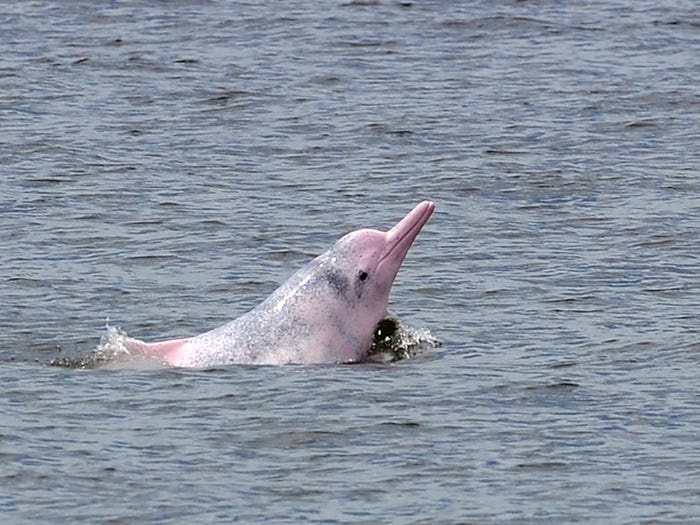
[{"x": 111, "y": 352}]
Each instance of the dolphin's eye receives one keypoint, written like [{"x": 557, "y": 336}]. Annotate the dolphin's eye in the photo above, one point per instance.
[{"x": 362, "y": 275}]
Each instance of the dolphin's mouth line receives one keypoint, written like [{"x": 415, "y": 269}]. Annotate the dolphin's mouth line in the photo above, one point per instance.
[{"x": 412, "y": 232}]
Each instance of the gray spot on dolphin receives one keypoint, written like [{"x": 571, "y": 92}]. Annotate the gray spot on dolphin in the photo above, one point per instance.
[{"x": 337, "y": 281}]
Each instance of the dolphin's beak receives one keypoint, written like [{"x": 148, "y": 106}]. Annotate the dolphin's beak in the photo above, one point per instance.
[{"x": 400, "y": 238}]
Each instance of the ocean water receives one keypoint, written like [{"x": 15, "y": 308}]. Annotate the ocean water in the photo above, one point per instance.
[{"x": 165, "y": 165}]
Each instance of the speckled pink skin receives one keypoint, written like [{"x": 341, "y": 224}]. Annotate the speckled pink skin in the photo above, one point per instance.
[{"x": 325, "y": 313}]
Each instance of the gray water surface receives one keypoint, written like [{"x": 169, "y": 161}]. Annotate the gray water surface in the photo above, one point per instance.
[{"x": 165, "y": 165}]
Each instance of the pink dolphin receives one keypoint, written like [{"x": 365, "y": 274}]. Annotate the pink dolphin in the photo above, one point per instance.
[{"x": 325, "y": 313}]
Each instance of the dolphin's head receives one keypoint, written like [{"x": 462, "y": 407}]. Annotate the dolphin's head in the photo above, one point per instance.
[
  {"x": 360, "y": 268},
  {"x": 329, "y": 309}
]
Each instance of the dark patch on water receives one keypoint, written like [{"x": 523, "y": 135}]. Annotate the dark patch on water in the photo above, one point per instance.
[{"x": 394, "y": 341}]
